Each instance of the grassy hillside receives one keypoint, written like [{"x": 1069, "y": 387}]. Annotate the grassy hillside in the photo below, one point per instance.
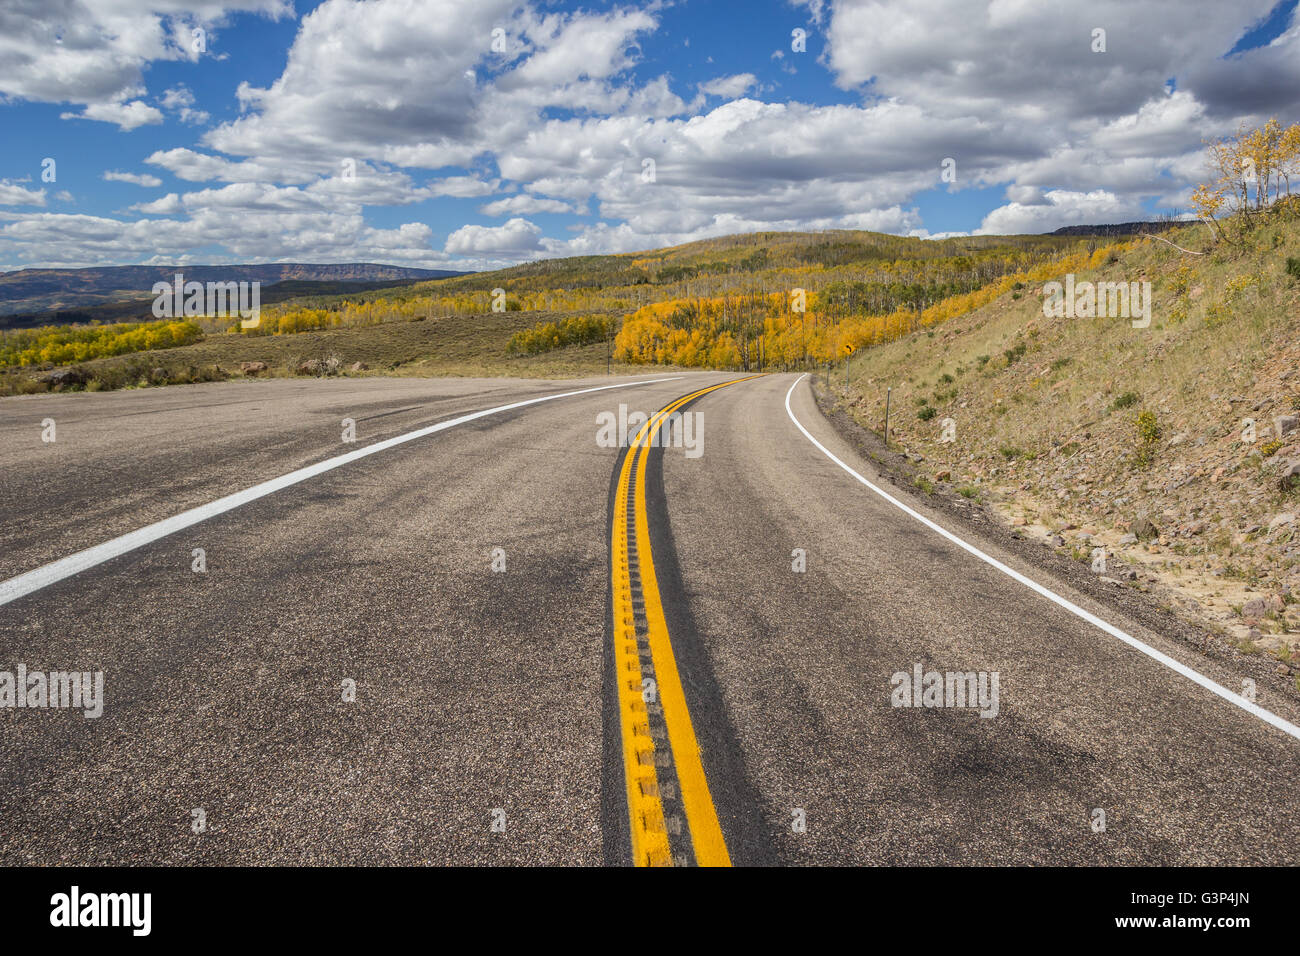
[
  {"x": 455, "y": 345},
  {"x": 1090, "y": 433},
  {"x": 723, "y": 303}
]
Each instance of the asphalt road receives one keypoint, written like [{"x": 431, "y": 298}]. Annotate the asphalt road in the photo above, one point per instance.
[{"x": 486, "y": 726}]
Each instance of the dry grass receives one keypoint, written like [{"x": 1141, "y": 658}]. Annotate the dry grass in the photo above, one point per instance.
[
  {"x": 462, "y": 345},
  {"x": 1048, "y": 424}
]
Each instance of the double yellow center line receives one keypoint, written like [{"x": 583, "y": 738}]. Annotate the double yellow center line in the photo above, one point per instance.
[{"x": 661, "y": 756}]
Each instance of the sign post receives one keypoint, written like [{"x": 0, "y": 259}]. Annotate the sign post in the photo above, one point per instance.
[{"x": 888, "y": 392}]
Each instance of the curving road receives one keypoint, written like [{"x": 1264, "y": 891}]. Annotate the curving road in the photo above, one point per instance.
[{"x": 501, "y": 711}]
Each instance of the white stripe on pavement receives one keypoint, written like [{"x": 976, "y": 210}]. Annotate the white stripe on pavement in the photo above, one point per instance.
[
  {"x": 44, "y": 576},
  {"x": 1247, "y": 705}
]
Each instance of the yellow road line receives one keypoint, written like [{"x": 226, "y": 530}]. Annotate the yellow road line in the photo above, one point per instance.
[{"x": 645, "y": 809}]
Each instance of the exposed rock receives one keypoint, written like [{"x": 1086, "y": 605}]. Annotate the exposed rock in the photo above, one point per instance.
[
  {"x": 362, "y": 366},
  {"x": 1143, "y": 528},
  {"x": 1255, "y": 608},
  {"x": 1285, "y": 424},
  {"x": 1280, "y": 521},
  {"x": 63, "y": 377},
  {"x": 252, "y": 368},
  {"x": 311, "y": 367}
]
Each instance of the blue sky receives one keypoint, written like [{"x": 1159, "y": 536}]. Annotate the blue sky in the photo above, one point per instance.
[{"x": 393, "y": 131}]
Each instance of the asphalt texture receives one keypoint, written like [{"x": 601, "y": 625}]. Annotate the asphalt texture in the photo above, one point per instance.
[{"x": 482, "y": 730}]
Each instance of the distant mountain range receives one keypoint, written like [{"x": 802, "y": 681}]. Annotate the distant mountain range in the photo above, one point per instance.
[
  {"x": 1118, "y": 228},
  {"x": 48, "y": 293}
]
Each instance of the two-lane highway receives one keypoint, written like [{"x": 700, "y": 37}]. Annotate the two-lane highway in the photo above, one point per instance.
[{"x": 423, "y": 652}]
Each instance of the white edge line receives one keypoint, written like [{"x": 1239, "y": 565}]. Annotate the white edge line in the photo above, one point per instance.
[
  {"x": 1249, "y": 706},
  {"x": 48, "y": 574}
]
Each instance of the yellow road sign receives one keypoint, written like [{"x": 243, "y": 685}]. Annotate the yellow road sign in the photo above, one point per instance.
[{"x": 848, "y": 349}]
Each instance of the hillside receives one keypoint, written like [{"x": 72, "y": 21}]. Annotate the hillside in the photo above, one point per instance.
[
  {"x": 721, "y": 302},
  {"x": 1169, "y": 446},
  {"x": 46, "y": 290}
]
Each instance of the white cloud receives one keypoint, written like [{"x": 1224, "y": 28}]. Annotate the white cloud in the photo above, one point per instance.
[
  {"x": 199, "y": 167},
  {"x": 180, "y": 100},
  {"x": 169, "y": 205},
  {"x": 13, "y": 194},
  {"x": 516, "y": 238},
  {"x": 93, "y": 53},
  {"x": 730, "y": 87},
  {"x": 558, "y": 124},
  {"x": 462, "y": 187},
  {"x": 1062, "y": 208},
  {"x": 525, "y": 204},
  {"x": 127, "y": 115},
  {"x": 139, "y": 179}
]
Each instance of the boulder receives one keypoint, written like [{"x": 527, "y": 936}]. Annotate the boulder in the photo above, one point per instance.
[
  {"x": 252, "y": 368},
  {"x": 64, "y": 377},
  {"x": 1285, "y": 424},
  {"x": 1255, "y": 607},
  {"x": 1143, "y": 528}
]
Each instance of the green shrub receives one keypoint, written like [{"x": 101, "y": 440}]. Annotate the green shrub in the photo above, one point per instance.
[
  {"x": 1148, "y": 429},
  {"x": 1127, "y": 400},
  {"x": 579, "y": 330}
]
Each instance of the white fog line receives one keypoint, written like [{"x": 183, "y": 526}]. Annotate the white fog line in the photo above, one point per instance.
[
  {"x": 1249, "y": 706},
  {"x": 48, "y": 574}
]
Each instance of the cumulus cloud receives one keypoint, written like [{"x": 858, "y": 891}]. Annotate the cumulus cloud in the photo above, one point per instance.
[
  {"x": 93, "y": 53},
  {"x": 15, "y": 194},
  {"x": 1061, "y": 208},
  {"x": 127, "y": 115},
  {"x": 518, "y": 237},
  {"x": 395, "y": 102},
  {"x": 139, "y": 179},
  {"x": 525, "y": 204}
]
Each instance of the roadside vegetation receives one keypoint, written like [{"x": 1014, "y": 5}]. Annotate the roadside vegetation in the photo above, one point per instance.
[
  {"x": 1174, "y": 447},
  {"x": 65, "y": 344}
]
